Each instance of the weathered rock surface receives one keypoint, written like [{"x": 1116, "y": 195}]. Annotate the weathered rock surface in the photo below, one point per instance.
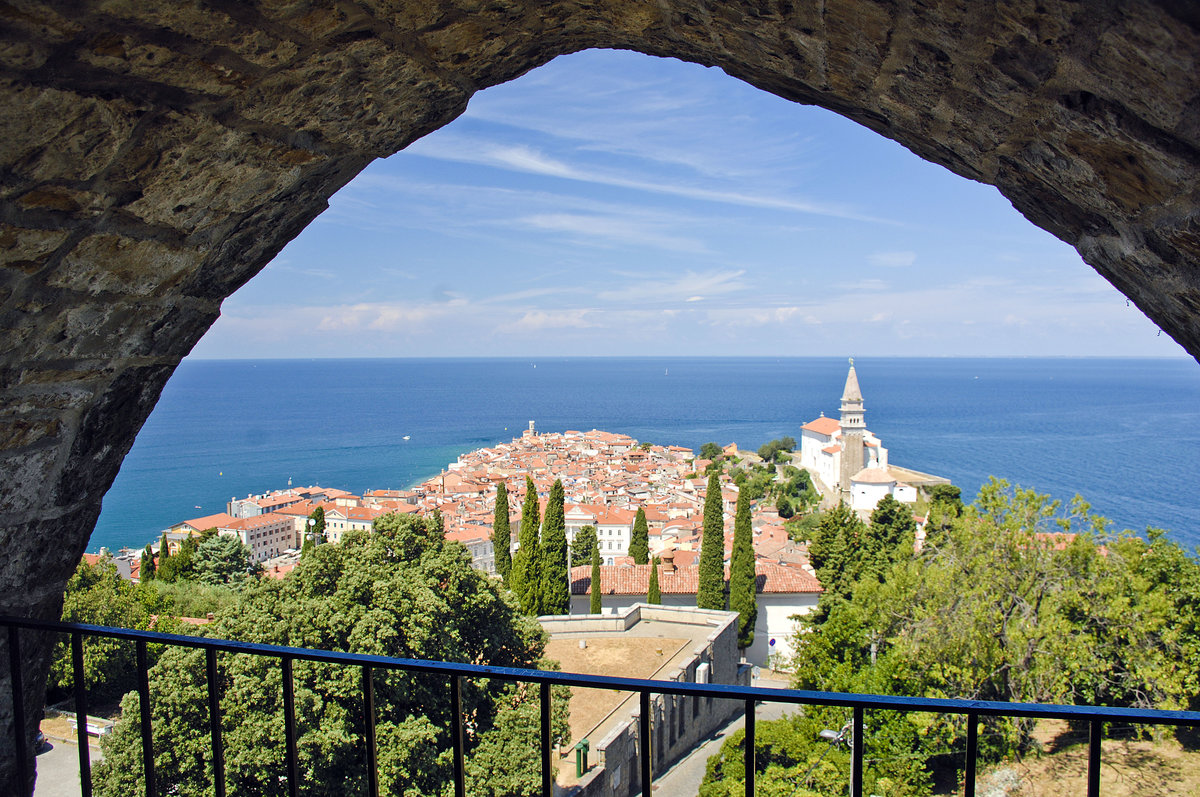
[{"x": 154, "y": 156}]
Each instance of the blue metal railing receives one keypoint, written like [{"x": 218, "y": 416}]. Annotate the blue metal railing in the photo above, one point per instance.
[{"x": 1095, "y": 716}]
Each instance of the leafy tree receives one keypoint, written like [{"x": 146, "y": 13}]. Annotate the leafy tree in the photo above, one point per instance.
[
  {"x": 525, "y": 580},
  {"x": 710, "y": 592},
  {"x": 639, "y": 545},
  {"x": 98, "y": 595},
  {"x": 195, "y": 599},
  {"x": 783, "y": 505},
  {"x": 181, "y": 566},
  {"x": 221, "y": 559},
  {"x": 770, "y": 452},
  {"x": 710, "y": 451},
  {"x": 1000, "y": 608},
  {"x": 595, "y": 607},
  {"x": 316, "y": 530},
  {"x": 583, "y": 545},
  {"x": 743, "y": 580},
  {"x": 555, "y": 589},
  {"x": 146, "y": 564},
  {"x": 891, "y": 536},
  {"x": 502, "y": 534},
  {"x": 833, "y": 553},
  {"x": 945, "y": 506},
  {"x": 402, "y": 591},
  {"x": 653, "y": 593}
]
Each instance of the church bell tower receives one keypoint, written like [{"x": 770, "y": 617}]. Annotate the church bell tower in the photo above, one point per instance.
[{"x": 853, "y": 426}]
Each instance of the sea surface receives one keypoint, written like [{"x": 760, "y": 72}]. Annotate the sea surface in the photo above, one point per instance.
[{"x": 1124, "y": 433}]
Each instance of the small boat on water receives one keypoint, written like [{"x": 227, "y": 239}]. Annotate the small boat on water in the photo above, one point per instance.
[{"x": 406, "y": 437}]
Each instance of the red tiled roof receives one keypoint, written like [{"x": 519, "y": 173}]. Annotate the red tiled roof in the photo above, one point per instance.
[
  {"x": 635, "y": 579},
  {"x": 823, "y": 425},
  {"x": 209, "y": 521}
]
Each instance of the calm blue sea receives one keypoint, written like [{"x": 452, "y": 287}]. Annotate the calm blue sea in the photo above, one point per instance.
[{"x": 1123, "y": 433}]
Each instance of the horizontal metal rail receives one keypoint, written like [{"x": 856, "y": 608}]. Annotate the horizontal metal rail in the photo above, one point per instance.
[{"x": 455, "y": 672}]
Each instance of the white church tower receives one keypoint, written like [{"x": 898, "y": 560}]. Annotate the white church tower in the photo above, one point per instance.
[{"x": 853, "y": 427}]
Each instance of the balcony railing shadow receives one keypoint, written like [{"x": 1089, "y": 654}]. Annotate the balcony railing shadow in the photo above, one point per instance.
[{"x": 455, "y": 673}]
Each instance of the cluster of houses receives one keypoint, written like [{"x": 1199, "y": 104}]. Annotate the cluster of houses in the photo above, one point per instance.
[{"x": 607, "y": 477}]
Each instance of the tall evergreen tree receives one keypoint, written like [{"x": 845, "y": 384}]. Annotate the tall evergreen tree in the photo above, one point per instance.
[
  {"x": 317, "y": 527},
  {"x": 555, "y": 591},
  {"x": 583, "y": 545},
  {"x": 639, "y": 546},
  {"x": 502, "y": 534},
  {"x": 710, "y": 592},
  {"x": 743, "y": 597},
  {"x": 146, "y": 566},
  {"x": 526, "y": 578},
  {"x": 595, "y": 607},
  {"x": 653, "y": 593}
]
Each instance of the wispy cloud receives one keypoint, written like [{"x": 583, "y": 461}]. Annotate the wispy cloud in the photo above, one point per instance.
[
  {"x": 609, "y": 231},
  {"x": 892, "y": 259},
  {"x": 520, "y": 158},
  {"x": 538, "y": 320},
  {"x": 689, "y": 287}
]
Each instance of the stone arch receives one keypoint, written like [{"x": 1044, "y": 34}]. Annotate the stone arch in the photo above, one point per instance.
[{"x": 154, "y": 157}]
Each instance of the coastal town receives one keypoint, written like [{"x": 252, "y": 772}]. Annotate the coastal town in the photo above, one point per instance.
[{"x": 607, "y": 477}]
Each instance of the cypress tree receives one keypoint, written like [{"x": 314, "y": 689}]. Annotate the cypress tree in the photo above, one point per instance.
[
  {"x": 163, "y": 550},
  {"x": 146, "y": 566},
  {"x": 525, "y": 577},
  {"x": 639, "y": 546},
  {"x": 710, "y": 592},
  {"x": 653, "y": 593},
  {"x": 743, "y": 597},
  {"x": 595, "y": 608},
  {"x": 555, "y": 597},
  {"x": 502, "y": 534}
]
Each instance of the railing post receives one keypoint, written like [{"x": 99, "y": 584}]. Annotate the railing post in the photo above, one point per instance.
[
  {"x": 1096, "y": 733},
  {"x": 456, "y": 736},
  {"x": 856, "y": 759},
  {"x": 547, "y": 772},
  {"x": 368, "y": 682},
  {"x": 214, "y": 721},
  {"x": 644, "y": 744},
  {"x": 289, "y": 727},
  {"x": 749, "y": 751},
  {"x": 143, "y": 668},
  {"x": 972, "y": 754},
  {"x": 81, "y": 731},
  {"x": 20, "y": 742}
]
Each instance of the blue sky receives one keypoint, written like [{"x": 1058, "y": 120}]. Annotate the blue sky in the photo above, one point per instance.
[{"x": 611, "y": 203}]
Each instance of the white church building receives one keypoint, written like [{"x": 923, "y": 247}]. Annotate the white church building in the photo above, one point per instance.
[{"x": 850, "y": 460}]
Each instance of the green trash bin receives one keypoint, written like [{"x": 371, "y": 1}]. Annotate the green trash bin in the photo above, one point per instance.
[{"x": 581, "y": 755}]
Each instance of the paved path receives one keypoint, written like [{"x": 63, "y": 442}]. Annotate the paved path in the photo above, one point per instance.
[
  {"x": 683, "y": 779},
  {"x": 58, "y": 770}
]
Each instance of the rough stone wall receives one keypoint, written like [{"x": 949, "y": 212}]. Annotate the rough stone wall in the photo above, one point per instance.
[{"x": 154, "y": 156}]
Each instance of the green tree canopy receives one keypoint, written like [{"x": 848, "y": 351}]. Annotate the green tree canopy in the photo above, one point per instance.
[
  {"x": 653, "y": 592},
  {"x": 555, "y": 590},
  {"x": 401, "y": 591},
  {"x": 594, "y": 592},
  {"x": 525, "y": 579},
  {"x": 710, "y": 451},
  {"x": 583, "y": 545},
  {"x": 146, "y": 567},
  {"x": 502, "y": 534},
  {"x": 316, "y": 530},
  {"x": 98, "y": 595},
  {"x": 222, "y": 559},
  {"x": 743, "y": 593},
  {"x": 710, "y": 592},
  {"x": 639, "y": 543}
]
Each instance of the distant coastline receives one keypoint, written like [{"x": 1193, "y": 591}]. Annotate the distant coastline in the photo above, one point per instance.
[{"x": 1059, "y": 425}]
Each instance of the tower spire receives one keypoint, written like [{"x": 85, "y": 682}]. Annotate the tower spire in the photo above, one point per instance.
[{"x": 853, "y": 426}]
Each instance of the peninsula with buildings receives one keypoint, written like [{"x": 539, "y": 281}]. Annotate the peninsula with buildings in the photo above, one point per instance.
[{"x": 607, "y": 477}]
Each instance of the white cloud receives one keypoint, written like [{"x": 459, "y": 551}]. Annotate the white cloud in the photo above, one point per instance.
[
  {"x": 609, "y": 231},
  {"x": 892, "y": 259},
  {"x": 536, "y": 320},
  {"x": 690, "y": 287}
]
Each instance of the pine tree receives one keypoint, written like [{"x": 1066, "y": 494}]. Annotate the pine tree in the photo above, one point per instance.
[
  {"x": 146, "y": 566},
  {"x": 653, "y": 593},
  {"x": 639, "y": 546},
  {"x": 525, "y": 578},
  {"x": 316, "y": 529},
  {"x": 595, "y": 607},
  {"x": 743, "y": 597},
  {"x": 555, "y": 592},
  {"x": 710, "y": 593},
  {"x": 502, "y": 534}
]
